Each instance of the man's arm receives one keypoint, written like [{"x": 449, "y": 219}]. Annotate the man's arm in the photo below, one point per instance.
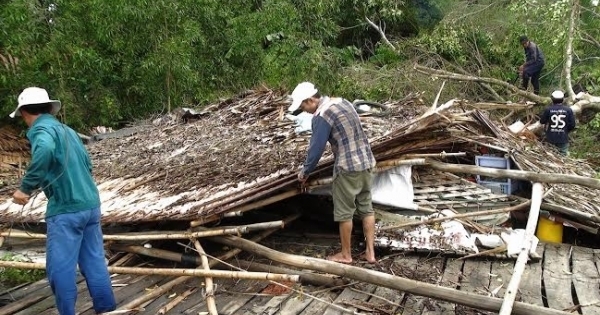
[
  {"x": 42, "y": 152},
  {"x": 320, "y": 134}
]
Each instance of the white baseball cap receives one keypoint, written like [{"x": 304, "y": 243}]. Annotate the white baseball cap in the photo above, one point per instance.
[
  {"x": 303, "y": 91},
  {"x": 558, "y": 94},
  {"x": 35, "y": 95}
]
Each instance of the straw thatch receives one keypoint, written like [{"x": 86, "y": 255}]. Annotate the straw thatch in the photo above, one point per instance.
[{"x": 169, "y": 169}]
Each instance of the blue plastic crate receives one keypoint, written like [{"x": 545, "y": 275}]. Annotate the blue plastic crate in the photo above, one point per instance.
[
  {"x": 507, "y": 188},
  {"x": 492, "y": 162}
]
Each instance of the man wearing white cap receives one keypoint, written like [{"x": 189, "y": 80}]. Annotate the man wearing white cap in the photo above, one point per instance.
[
  {"x": 61, "y": 167},
  {"x": 336, "y": 121},
  {"x": 559, "y": 120}
]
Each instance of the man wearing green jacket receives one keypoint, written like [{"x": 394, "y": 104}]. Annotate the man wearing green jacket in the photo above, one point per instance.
[{"x": 61, "y": 167}]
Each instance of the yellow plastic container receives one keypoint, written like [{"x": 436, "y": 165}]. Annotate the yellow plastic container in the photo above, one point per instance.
[{"x": 549, "y": 231}]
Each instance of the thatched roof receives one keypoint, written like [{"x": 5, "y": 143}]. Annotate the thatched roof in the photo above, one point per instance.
[
  {"x": 243, "y": 150},
  {"x": 169, "y": 169}
]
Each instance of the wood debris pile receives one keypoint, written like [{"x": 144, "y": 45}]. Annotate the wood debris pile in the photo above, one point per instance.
[{"x": 242, "y": 154}]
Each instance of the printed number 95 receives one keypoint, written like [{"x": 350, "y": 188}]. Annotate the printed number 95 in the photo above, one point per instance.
[{"x": 558, "y": 121}]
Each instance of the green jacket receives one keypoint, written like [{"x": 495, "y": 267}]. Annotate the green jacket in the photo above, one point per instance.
[{"x": 61, "y": 167}]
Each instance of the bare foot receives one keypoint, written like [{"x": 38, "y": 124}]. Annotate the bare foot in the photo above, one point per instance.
[
  {"x": 369, "y": 257},
  {"x": 340, "y": 258}
]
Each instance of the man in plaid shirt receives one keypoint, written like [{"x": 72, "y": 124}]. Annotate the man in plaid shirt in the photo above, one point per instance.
[{"x": 336, "y": 121}]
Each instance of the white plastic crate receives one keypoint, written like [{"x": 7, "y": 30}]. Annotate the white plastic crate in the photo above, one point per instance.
[{"x": 501, "y": 188}]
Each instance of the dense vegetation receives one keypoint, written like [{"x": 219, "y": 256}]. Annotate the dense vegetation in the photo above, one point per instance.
[{"x": 113, "y": 61}]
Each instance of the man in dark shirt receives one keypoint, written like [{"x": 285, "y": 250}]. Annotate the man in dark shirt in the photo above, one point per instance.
[
  {"x": 336, "y": 121},
  {"x": 559, "y": 120},
  {"x": 534, "y": 63}
]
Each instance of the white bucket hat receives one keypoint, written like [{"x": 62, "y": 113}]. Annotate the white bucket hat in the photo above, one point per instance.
[
  {"x": 303, "y": 91},
  {"x": 558, "y": 95},
  {"x": 35, "y": 95}
]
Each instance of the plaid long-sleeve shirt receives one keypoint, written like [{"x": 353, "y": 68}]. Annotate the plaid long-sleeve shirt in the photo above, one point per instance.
[{"x": 337, "y": 122}]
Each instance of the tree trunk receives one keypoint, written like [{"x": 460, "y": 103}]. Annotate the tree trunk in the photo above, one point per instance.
[{"x": 569, "y": 49}]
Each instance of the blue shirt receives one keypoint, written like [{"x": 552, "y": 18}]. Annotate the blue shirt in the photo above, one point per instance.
[
  {"x": 61, "y": 167},
  {"x": 337, "y": 122}
]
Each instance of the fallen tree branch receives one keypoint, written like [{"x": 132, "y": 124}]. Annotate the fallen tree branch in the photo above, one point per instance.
[
  {"x": 381, "y": 33},
  {"x": 443, "y": 74},
  {"x": 384, "y": 279}
]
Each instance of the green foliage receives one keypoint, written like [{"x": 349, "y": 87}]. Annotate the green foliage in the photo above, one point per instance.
[{"x": 12, "y": 277}]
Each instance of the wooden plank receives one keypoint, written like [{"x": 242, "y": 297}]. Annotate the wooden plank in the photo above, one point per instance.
[
  {"x": 152, "y": 306},
  {"x": 316, "y": 307},
  {"x": 13, "y": 295},
  {"x": 500, "y": 276},
  {"x": 530, "y": 289},
  {"x": 476, "y": 276},
  {"x": 297, "y": 303},
  {"x": 557, "y": 276},
  {"x": 430, "y": 270},
  {"x": 381, "y": 294},
  {"x": 451, "y": 278},
  {"x": 349, "y": 297},
  {"x": 265, "y": 305},
  {"x": 586, "y": 280},
  {"x": 476, "y": 279},
  {"x": 33, "y": 293},
  {"x": 136, "y": 285},
  {"x": 196, "y": 302},
  {"x": 48, "y": 302},
  {"x": 239, "y": 295}
]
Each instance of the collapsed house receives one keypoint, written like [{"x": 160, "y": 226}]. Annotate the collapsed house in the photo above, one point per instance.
[{"x": 243, "y": 154}]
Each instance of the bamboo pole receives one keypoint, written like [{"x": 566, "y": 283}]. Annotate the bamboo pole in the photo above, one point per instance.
[
  {"x": 513, "y": 286},
  {"x": 262, "y": 226},
  {"x": 517, "y": 174},
  {"x": 440, "y": 155},
  {"x": 169, "y": 285},
  {"x": 384, "y": 279},
  {"x": 171, "y": 272},
  {"x": 165, "y": 235},
  {"x": 208, "y": 281},
  {"x": 173, "y": 235},
  {"x": 305, "y": 277},
  {"x": 250, "y": 206},
  {"x": 458, "y": 216},
  {"x": 158, "y": 253}
]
